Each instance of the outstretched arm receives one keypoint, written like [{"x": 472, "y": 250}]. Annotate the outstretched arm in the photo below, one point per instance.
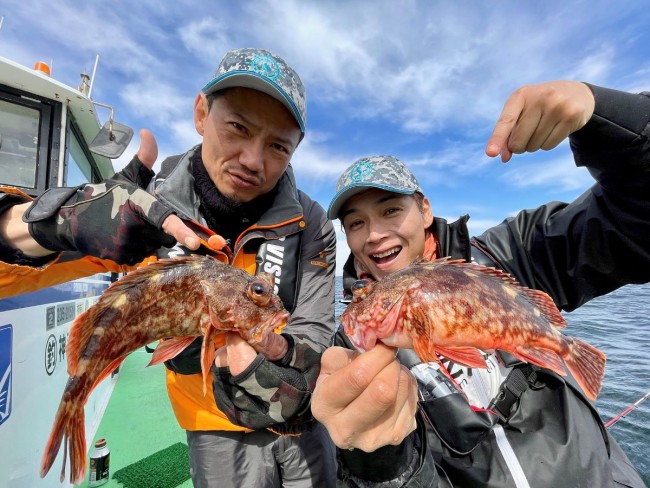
[
  {"x": 540, "y": 117},
  {"x": 115, "y": 219},
  {"x": 599, "y": 242}
]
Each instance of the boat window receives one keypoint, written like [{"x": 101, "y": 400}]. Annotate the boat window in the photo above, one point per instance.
[
  {"x": 19, "y": 127},
  {"x": 79, "y": 166}
]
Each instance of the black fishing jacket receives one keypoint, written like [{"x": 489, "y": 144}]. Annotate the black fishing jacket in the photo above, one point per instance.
[{"x": 549, "y": 433}]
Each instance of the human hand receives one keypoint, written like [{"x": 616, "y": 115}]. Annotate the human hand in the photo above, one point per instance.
[
  {"x": 139, "y": 171},
  {"x": 540, "y": 116},
  {"x": 238, "y": 354},
  {"x": 115, "y": 219},
  {"x": 365, "y": 400},
  {"x": 256, "y": 393},
  {"x": 109, "y": 220}
]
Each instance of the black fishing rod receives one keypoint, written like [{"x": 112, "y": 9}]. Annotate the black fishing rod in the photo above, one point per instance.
[{"x": 627, "y": 410}]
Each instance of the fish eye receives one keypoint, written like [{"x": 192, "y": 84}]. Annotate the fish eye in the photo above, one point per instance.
[
  {"x": 258, "y": 288},
  {"x": 259, "y": 292},
  {"x": 360, "y": 289}
]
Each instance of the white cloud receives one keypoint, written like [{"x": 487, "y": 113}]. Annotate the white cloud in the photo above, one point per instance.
[
  {"x": 558, "y": 174},
  {"x": 157, "y": 101},
  {"x": 207, "y": 38},
  {"x": 424, "y": 65}
]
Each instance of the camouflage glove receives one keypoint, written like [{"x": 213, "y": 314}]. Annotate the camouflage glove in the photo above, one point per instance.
[
  {"x": 110, "y": 220},
  {"x": 267, "y": 393},
  {"x": 135, "y": 172}
]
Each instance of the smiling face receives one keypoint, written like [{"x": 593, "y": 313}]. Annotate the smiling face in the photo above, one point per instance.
[
  {"x": 385, "y": 230},
  {"x": 248, "y": 140}
]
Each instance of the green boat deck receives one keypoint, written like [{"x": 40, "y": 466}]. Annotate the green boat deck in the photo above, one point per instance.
[{"x": 148, "y": 448}]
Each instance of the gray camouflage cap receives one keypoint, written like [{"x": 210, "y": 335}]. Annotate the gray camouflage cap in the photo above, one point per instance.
[
  {"x": 384, "y": 172},
  {"x": 263, "y": 71}
]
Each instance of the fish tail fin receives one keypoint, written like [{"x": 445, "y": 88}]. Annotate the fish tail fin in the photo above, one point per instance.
[
  {"x": 77, "y": 450},
  {"x": 68, "y": 428},
  {"x": 587, "y": 365}
]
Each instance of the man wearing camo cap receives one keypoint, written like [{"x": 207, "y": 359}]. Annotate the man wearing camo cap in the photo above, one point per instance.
[
  {"x": 255, "y": 428},
  {"x": 239, "y": 183},
  {"x": 572, "y": 252}
]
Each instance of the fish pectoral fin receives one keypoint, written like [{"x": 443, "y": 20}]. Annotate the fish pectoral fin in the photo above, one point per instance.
[
  {"x": 207, "y": 356},
  {"x": 544, "y": 358},
  {"x": 464, "y": 355},
  {"x": 170, "y": 348}
]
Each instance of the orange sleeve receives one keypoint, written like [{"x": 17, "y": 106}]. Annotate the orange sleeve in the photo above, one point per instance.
[{"x": 16, "y": 279}]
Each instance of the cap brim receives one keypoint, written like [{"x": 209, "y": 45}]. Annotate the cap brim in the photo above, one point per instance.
[
  {"x": 351, "y": 190},
  {"x": 247, "y": 79}
]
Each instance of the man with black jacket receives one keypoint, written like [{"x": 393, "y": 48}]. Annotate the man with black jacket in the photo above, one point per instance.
[{"x": 516, "y": 425}]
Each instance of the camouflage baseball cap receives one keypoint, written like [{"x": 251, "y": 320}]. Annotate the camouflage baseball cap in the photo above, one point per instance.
[
  {"x": 384, "y": 172},
  {"x": 263, "y": 71}
]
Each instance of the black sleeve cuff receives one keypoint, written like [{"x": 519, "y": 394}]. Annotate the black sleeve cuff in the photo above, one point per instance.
[
  {"x": 385, "y": 464},
  {"x": 618, "y": 115}
]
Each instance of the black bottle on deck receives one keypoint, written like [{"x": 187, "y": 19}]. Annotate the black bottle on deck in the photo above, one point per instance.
[{"x": 99, "y": 464}]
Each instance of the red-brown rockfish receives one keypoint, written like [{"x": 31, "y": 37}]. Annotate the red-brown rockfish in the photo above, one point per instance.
[
  {"x": 181, "y": 299},
  {"x": 455, "y": 309}
]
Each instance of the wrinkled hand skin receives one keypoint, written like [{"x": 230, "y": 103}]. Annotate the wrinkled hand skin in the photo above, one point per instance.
[
  {"x": 365, "y": 400},
  {"x": 238, "y": 354},
  {"x": 273, "y": 346}
]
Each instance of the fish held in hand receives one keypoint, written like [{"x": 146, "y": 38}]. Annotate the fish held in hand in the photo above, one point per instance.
[
  {"x": 457, "y": 309},
  {"x": 181, "y": 299}
]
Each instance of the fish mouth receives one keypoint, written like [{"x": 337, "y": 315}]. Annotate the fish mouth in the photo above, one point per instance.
[
  {"x": 384, "y": 323},
  {"x": 361, "y": 335},
  {"x": 365, "y": 342},
  {"x": 276, "y": 322}
]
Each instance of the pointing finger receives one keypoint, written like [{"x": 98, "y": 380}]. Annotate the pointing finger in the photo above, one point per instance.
[{"x": 498, "y": 142}]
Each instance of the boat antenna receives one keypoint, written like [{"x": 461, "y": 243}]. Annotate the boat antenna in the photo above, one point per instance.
[
  {"x": 92, "y": 77},
  {"x": 2, "y": 19},
  {"x": 627, "y": 410}
]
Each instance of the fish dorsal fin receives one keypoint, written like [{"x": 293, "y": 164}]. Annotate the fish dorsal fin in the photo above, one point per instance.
[
  {"x": 85, "y": 324},
  {"x": 546, "y": 305},
  {"x": 542, "y": 300}
]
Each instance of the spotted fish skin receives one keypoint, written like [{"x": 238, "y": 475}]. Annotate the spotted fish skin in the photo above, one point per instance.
[
  {"x": 457, "y": 309},
  {"x": 181, "y": 299}
]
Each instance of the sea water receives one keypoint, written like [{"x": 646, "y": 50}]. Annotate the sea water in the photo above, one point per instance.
[{"x": 619, "y": 325}]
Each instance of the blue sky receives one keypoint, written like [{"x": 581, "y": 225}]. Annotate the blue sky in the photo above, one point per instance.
[{"x": 421, "y": 80}]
